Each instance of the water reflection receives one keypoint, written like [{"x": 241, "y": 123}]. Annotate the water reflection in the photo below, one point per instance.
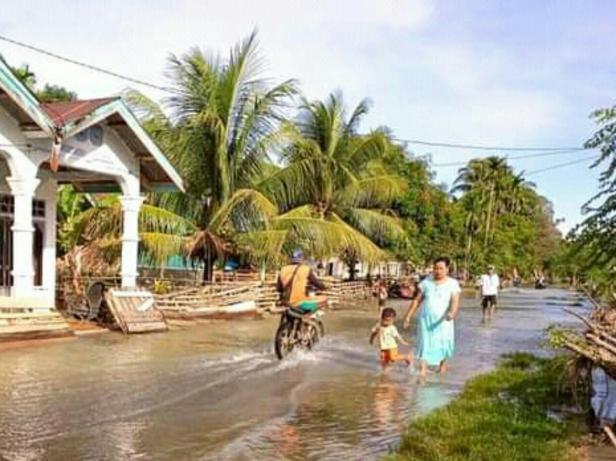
[{"x": 216, "y": 391}]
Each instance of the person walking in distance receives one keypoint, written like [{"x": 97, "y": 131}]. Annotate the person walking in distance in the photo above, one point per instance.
[{"x": 489, "y": 286}]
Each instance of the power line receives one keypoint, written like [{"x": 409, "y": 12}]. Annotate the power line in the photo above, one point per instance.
[
  {"x": 482, "y": 147},
  {"x": 561, "y": 165},
  {"x": 87, "y": 66},
  {"x": 172, "y": 90},
  {"x": 514, "y": 157}
]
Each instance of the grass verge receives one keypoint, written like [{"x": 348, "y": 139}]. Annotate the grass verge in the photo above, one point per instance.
[{"x": 502, "y": 416}]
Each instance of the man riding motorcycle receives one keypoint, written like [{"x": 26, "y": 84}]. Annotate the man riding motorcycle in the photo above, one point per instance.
[{"x": 294, "y": 281}]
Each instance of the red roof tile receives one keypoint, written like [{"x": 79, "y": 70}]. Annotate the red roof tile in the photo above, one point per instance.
[{"x": 62, "y": 113}]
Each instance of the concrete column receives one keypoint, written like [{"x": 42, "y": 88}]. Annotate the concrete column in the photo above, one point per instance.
[
  {"x": 130, "y": 239},
  {"x": 23, "y": 230},
  {"x": 49, "y": 195}
]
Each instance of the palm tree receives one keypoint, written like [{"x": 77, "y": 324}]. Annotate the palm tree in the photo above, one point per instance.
[
  {"x": 25, "y": 75},
  {"x": 485, "y": 185},
  {"x": 491, "y": 190},
  {"x": 519, "y": 195},
  {"x": 333, "y": 190},
  {"x": 225, "y": 120},
  {"x": 488, "y": 178},
  {"x": 98, "y": 230}
]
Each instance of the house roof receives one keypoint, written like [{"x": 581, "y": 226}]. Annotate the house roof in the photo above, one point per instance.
[
  {"x": 80, "y": 115},
  {"x": 21, "y": 103},
  {"x": 69, "y": 118},
  {"x": 62, "y": 113}
]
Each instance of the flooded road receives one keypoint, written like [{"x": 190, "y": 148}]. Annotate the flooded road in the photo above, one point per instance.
[{"x": 217, "y": 392}]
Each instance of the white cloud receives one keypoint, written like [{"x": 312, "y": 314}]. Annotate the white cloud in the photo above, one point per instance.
[{"x": 426, "y": 81}]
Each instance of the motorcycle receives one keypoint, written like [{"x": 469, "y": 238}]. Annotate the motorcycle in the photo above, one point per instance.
[
  {"x": 517, "y": 282},
  {"x": 298, "y": 329},
  {"x": 540, "y": 284},
  {"x": 397, "y": 290}
]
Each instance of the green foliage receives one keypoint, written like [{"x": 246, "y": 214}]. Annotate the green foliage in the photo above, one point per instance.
[
  {"x": 500, "y": 414},
  {"x": 225, "y": 122},
  {"x": 334, "y": 188},
  {"x": 161, "y": 287},
  {"x": 591, "y": 250},
  {"x": 70, "y": 205},
  {"x": 162, "y": 233},
  {"x": 49, "y": 93},
  {"x": 493, "y": 217},
  {"x": 506, "y": 222},
  {"x": 431, "y": 219},
  {"x": 260, "y": 182},
  {"x": 55, "y": 93}
]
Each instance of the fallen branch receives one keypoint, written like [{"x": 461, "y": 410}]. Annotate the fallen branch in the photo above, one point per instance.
[
  {"x": 582, "y": 318},
  {"x": 607, "y": 337},
  {"x": 610, "y": 434},
  {"x": 591, "y": 299},
  {"x": 601, "y": 343}
]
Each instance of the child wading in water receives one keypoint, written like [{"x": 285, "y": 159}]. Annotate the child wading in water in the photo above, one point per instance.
[{"x": 388, "y": 337}]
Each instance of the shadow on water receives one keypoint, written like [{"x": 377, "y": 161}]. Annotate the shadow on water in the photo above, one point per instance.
[{"x": 216, "y": 391}]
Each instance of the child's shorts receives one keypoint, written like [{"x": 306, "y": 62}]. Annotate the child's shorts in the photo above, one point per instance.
[{"x": 388, "y": 356}]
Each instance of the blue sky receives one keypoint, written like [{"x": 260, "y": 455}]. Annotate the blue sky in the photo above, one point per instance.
[{"x": 478, "y": 72}]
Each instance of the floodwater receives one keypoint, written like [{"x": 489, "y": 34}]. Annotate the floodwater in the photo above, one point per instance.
[{"x": 216, "y": 392}]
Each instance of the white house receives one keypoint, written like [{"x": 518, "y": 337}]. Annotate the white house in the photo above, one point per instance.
[
  {"x": 335, "y": 267},
  {"x": 97, "y": 145}
]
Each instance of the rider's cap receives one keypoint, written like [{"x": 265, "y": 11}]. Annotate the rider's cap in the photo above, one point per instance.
[
  {"x": 490, "y": 267},
  {"x": 298, "y": 255}
]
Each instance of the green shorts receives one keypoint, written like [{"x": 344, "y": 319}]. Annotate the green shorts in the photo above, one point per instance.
[{"x": 308, "y": 305}]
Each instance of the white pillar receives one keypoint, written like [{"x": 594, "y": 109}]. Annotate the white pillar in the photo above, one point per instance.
[
  {"x": 130, "y": 239},
  {"x": 49, "y": 238},
  {"x": 23, "y": 230}
]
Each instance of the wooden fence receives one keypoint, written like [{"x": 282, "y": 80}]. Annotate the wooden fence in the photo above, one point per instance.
[
  {"x": 186, "y": 299},
  {"x": 212, "y": 299}
]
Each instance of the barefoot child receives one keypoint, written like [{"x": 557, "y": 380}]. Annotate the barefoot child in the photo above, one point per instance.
[{"x": 388, "y": 337}]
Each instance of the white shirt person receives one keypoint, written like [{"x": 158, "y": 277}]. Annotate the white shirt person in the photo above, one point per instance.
[{"x": 489, "y": 286}]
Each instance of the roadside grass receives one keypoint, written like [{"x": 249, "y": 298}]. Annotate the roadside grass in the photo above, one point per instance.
[{"x": 501, "y": 416}]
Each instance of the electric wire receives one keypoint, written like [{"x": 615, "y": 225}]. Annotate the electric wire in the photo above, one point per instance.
[
  {"x": 561, "y": 165},
  {"x": 173, "y": 90},
  {"x": 537, "y": 151},
  {"x": 513, "y": 157},
  {"x": 485, "y": 147},
  {"x": 87, "y": 66}
]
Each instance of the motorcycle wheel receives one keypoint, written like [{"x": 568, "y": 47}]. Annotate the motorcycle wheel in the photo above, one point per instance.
[
  {"x": 284, "y": 342},
  {"x": 309, "y": 336},
  {"x": 320, "y": 329}
]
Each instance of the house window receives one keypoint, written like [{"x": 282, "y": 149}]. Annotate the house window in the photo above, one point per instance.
[
  {"x": 7, "y": 213},
  {"x": 38, "y": 208},
  {"x": 7, "y": 206}
]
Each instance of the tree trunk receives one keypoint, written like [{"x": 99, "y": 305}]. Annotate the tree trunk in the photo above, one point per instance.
[
  {"x": 467, "y": 253},
  {"x": 352, "y": 263},
  {"x": 208, "y": 270},
  {"x": 455, "y": 268},
  {"x": 489, "y": 217}
]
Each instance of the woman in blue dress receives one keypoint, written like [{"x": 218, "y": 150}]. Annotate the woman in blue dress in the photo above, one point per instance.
[{"x": 437, "y": 300}]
